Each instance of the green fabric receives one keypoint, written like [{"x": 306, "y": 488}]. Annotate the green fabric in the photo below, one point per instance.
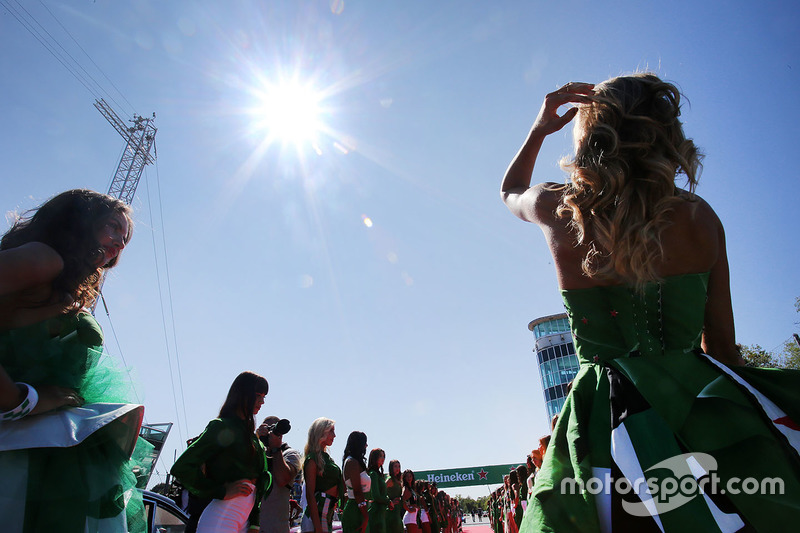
[
  {"x": 229, "y": 451},
  {"x": 431, "y": 510},
  {"x": 650, "y": 338},
  {"x": 352, "y": 518},
  {"x": 72, "y": 485},
  {"x": 394, "y": 516},
  {"x": 379, "y": 503},
  {"x": 329, "y": 476}
]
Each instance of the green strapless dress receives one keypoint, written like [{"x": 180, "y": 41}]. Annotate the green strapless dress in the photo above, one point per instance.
[
  {"x": 70, "y": 469},
  {"x": 650, "y": 421}
]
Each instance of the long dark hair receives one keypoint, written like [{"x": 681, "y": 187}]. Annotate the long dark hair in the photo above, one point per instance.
[
  {"x": 356, "y": 448},
  {"x": 391, "y": 469},
  {"x": 241, "y": 399},
  {"x": 374, "y": 456},
  {"x": 413, "y": 479},
  {"x": 68, "y": 223}
]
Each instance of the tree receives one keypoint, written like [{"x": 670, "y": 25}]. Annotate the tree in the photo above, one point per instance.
[
  {"x": 789, "y": 357},
  {"x": 756, "y": 356}
]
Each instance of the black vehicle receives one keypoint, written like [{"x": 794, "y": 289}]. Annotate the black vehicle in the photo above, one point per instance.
[{"x": 163, "y": 516}]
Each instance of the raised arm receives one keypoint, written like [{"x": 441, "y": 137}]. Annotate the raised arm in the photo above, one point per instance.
[{"x": 516, "y": 189}]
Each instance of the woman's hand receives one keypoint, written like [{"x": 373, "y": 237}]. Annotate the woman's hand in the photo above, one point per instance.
[
  {"x": 241, "y": 487},
  {"x": 549, "y": 121},
  {"x": 52, "y": 397},
  {"x": 364, "y": 517},
  {"x": 516, "y": 190}
]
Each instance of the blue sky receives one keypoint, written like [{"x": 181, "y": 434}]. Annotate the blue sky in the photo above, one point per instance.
[{"x": 413, "y": 330}]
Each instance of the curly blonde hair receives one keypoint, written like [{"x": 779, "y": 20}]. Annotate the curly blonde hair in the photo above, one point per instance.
[{"x": 630, "y": 147}]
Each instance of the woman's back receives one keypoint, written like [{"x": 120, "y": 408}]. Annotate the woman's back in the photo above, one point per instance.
[{"x": 691, "y": 242}]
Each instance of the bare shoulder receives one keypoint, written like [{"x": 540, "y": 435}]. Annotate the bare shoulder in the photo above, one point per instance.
[
  {"x": 28, "y": 265},
  {"x": 544, "y": 200},
  {"x": 699, "y": 217},
  {"x": 532, "y": 204}
]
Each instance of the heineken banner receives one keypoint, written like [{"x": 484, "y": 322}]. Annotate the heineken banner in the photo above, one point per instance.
[{"x": 463, "y": 477}]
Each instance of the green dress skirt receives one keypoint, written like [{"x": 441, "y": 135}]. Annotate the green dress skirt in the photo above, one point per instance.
[
  {"x": 657, "y": 436},
  {"x": 70, "y": 469},
  {"x": 379, "y": 502},
  {"x": 394, "y": 516}
]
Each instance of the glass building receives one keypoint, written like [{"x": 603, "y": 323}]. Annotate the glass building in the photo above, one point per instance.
[{"x": 555, "y": 354}]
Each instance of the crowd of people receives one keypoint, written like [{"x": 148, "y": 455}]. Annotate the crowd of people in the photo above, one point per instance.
[
  {"x": 643, "y": 272},
  {"x": 507, "y": 504},
  {"x": 237, "y": 476}
]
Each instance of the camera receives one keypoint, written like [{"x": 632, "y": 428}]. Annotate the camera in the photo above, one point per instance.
[{"x": 281, "y": 427}]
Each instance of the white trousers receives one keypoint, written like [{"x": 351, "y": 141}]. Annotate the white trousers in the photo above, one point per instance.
[{"x": 227, "y": 516}]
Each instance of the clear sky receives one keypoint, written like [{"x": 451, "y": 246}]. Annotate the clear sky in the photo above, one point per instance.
[{"x": 372, "y": 274}]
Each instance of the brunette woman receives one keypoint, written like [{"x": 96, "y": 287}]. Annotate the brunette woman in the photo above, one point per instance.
[
  {"x": 357, "y": 481},
  {"x": 394, "y": 490},
  {"x": 379, "y": 495},
  {"x": 228, "y": 462},
  {"x": 522, "y": 493},
  {"x": 410, "y": 503},
  {"x": 62, "y": 468},
  {"x": 424, "y": 518},
  {"x": 323, "y": 478}
]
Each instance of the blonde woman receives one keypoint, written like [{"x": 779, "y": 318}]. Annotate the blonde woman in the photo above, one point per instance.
[
  {"x": 323, "y": 478},
  {"x": 644, "y": 277}
]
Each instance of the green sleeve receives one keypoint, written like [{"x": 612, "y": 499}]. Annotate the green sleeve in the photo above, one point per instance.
[
  {"x": 263, "y": 486},
  {"x": 188, "y": 467},
  {"x": 379, "y": 494}
]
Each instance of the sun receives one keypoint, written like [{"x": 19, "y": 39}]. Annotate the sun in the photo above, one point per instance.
[{"x": 290, "y": 112}]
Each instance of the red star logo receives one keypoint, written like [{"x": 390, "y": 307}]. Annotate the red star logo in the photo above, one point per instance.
[
  {"x": 585, "y": 320},
  {"x": 483, "y": 473},
  {"x": 614, "y": 314}
]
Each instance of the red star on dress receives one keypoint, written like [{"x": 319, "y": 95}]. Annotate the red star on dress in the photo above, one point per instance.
[
  {"x": 585, "y": 320},
  {"x": 614, "y": 313},
  {"x": 483, "y": 473}
]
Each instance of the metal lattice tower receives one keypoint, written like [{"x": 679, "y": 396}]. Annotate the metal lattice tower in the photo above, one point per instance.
[{"x": 140, "y": 138}]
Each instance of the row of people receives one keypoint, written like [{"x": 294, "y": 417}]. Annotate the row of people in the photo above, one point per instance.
[
  {"x": 245, "y": 474},
  {"x": 368, "y": 498},
  {"x": 508, "y": 503}
]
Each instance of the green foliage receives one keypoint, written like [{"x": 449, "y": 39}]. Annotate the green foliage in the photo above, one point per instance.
[
  {"x": 756, "y": 356},
  {"x": 789, "y": 356},
  {"x": 467, "y": 503}
]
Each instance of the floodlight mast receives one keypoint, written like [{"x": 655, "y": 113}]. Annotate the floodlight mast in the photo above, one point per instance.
[{"x": 140, "y": 138}]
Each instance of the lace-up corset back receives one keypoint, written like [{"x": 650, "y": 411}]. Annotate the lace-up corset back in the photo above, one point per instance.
[{"x": 612, "y": 321}]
